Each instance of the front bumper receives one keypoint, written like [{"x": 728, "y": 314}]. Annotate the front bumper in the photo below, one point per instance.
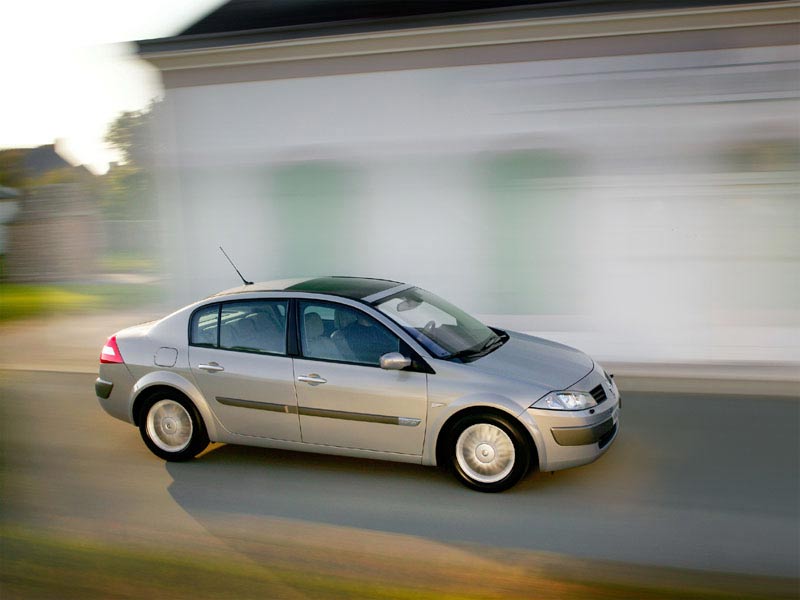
[
  {"x": 571, "y": 438},
  {"x": 582, "y": 436}
]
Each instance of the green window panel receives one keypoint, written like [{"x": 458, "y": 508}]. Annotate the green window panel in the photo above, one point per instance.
[
  {"x": 316, "y": 206},
  {"x": 531, "y": 243}
]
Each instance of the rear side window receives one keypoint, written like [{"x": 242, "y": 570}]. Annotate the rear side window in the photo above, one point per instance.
[
  {"x": 243, "y": 325},
  {"x": 253, "y": 326},
  {"x": 204, "y": 326}
]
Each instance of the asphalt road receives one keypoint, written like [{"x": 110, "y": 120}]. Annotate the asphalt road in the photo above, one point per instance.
[{"x": 704, "y": 482}]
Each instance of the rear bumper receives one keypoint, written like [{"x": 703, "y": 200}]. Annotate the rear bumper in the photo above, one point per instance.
[
  {"x": 102, "y": 388},
  {"x": 113, "y": 388}
]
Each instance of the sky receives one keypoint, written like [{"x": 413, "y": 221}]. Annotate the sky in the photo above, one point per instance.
[{"x": 69, "y": 69}]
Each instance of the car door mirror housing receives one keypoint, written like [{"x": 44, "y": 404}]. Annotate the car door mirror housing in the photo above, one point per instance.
[{"x": 394, "y": 361}]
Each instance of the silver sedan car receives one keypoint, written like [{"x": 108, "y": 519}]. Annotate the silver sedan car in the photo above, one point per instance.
[{"x": 358, "y": 367}]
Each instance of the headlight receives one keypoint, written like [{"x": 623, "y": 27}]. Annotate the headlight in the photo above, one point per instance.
[{"x": 566, "y": 401}]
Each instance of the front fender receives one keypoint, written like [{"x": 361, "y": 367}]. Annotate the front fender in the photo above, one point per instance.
[
  {"x": 439, "y": 415},
  {"x": 177, "y": 381}
]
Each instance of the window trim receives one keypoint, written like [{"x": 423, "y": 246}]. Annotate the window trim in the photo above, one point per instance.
[
  {"x": 292, "y": 329},
  {"x": 190, "y": 324},
  {"x": 419, "y": 363},
  {"x": 218, "y": 346}
]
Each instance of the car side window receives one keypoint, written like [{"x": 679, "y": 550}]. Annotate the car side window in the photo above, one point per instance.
[
  {"x": 205, "y": 322},
  {"x": 244, "y": 326},
  {"x": 340, "y": 333},
  {"x": 253, "y": 326}
]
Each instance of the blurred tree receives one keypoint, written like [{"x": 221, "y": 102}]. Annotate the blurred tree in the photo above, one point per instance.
[
  {"x": 126, "y": 194},
  {"x": 65, "y": 175},
  {"x": 128, "y": 189},
  {"x": 12, "y": 167},
  {"x": 129, "y": 134}
]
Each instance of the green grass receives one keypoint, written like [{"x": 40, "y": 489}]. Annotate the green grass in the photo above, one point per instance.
[
  {"x": 34, "y": 566},
  {"x": 37, "y": 565},
  {"x": 19, "y": 301}
]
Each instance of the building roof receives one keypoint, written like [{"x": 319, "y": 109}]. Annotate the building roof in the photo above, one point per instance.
[
  {"x": 254, "y": 21},
  {"x": 241, "y": 15},
  {"x": 44, "y": 159},
  {"x": 32, "y": 163},
  {"x": 356, "y": 288}
]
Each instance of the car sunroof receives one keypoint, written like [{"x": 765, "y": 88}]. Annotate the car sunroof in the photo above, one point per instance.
[{"x": 350, "y": 287}]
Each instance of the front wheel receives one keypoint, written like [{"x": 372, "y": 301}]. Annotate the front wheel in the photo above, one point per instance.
[
  {"x": 488, "y": 453},
  {"x": 172, "y": 429}
]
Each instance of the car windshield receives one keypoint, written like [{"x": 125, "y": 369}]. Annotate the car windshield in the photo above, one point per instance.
[{"x": 443, "y": 329}]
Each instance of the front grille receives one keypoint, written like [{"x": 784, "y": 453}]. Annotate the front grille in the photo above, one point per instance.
[{"x": 599, "y": 394}]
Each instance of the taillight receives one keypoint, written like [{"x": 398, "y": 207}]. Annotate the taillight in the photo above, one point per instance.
[{"x": 110, "y": 352}]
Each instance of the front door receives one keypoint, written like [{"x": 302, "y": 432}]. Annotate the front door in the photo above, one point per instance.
[
  {"x": 344, "y": 398},
  {"x": 238, "y": 358}
]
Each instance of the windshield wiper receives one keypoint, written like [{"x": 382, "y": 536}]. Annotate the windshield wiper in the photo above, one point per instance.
[
  {"x": 475, "y": 351},
  {"x": 490, "y": 345},
  {"x": 466, "y": 353}
]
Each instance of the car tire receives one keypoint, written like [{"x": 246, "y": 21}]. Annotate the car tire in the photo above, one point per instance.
[
  {"x": 172, "y": 428},
  {"x": 488, "y": 453}
]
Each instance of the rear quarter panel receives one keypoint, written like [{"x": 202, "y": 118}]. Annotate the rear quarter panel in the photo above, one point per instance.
[{"x": 139, "y": 345}]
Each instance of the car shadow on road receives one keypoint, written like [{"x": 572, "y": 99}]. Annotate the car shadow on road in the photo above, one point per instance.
[{"x": 367, "y": 494}]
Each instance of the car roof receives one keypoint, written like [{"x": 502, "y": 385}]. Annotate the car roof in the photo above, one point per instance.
[{"x": 356, "y": 288}]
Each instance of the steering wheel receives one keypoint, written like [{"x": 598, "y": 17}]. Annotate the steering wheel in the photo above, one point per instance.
[{"x": 429, "y": 326}]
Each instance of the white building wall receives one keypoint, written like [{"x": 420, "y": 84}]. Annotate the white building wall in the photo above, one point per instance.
[{"x": 595, "y": 201}]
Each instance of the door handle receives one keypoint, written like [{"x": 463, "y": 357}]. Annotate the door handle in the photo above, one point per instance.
[
  {"x": 211, "y": 367},
  {"x": 312, "y": 379}
]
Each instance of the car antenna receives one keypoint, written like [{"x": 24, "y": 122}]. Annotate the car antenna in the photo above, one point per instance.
[{"x": 235, "y": 269}]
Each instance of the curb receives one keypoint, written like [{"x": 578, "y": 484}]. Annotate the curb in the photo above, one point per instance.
[{"x": 695, "y": 385}]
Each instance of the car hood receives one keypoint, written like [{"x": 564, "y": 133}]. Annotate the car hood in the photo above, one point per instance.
[{"x": 535, "y": 361}]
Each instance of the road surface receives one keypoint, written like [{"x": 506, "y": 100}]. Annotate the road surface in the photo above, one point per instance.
[{"x": 705, "y": 482}]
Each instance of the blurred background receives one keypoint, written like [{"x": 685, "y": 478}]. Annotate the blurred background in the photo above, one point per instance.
[{"x": 620, "y": 176}]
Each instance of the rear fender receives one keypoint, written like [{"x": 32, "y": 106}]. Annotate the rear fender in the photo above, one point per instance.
[{"x": 174, "y": 380}]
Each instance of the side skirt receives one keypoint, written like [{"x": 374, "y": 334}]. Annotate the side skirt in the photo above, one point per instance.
[{"x": 247, "y": 440}]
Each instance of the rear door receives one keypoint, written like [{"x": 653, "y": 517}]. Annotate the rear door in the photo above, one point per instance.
[
  {"x": 344, "y": 398},
  {"x": 238, "y": 357}
]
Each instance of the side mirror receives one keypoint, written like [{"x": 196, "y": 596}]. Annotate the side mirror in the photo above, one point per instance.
[{"x": 394, "y": 361}]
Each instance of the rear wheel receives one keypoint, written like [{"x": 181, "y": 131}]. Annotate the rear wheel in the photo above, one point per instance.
[
  {"x": 488, "y": 453},
  {"x": 172, "y": 428}
]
